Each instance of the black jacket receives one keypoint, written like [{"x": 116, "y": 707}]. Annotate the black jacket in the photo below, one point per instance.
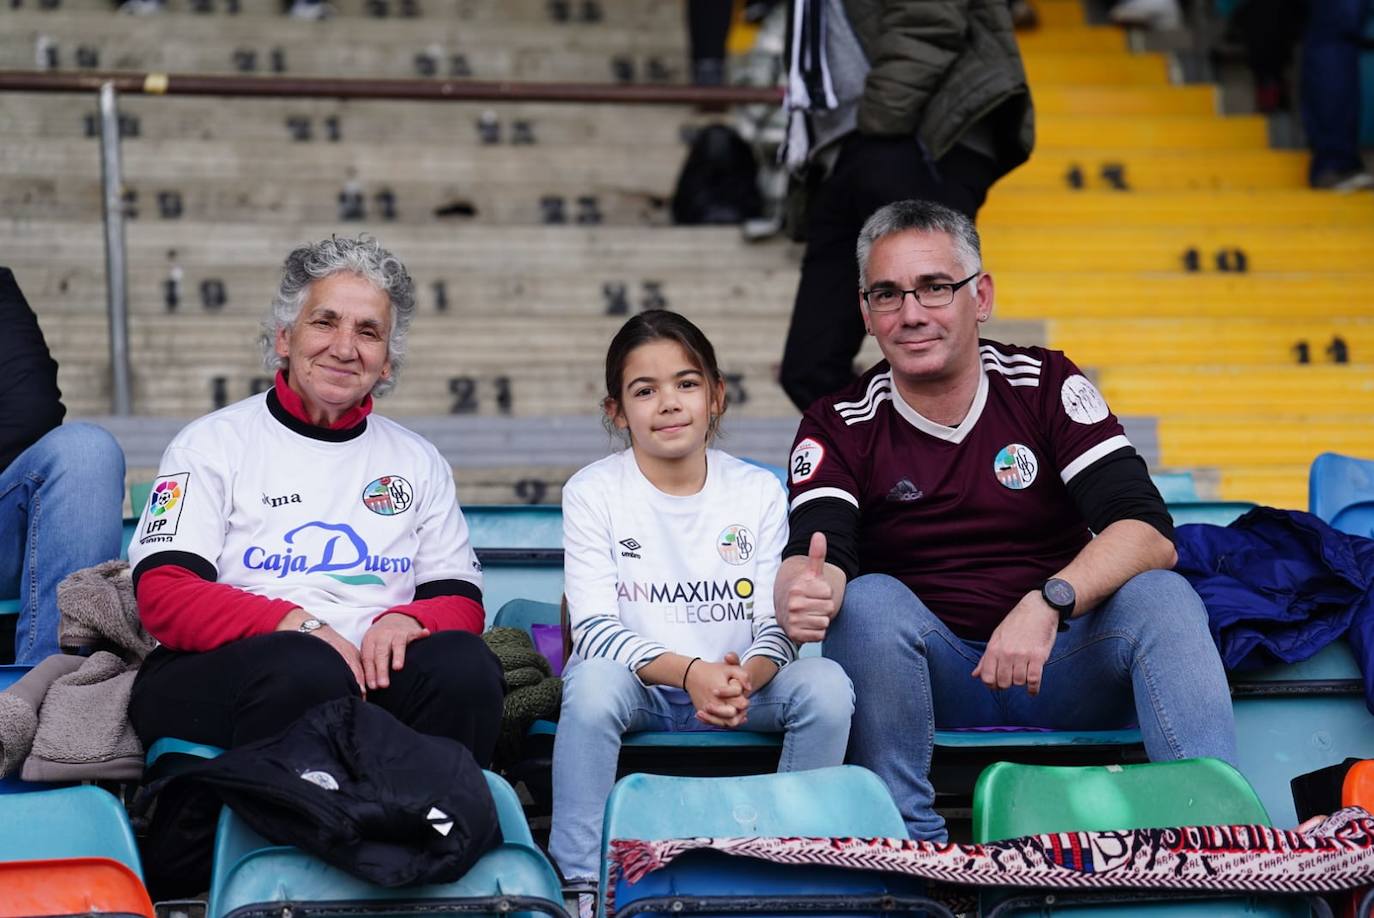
[
  {"x": 30, "y": 402},
  {"x": 353, "y": 786}
]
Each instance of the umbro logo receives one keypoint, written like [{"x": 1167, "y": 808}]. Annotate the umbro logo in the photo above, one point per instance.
[
  {"x": 631, "y": 547},
  {"x": 904, "y": 492}
]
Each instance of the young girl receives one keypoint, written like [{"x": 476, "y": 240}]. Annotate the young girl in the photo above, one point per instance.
[{"x": 671, "y": 549}]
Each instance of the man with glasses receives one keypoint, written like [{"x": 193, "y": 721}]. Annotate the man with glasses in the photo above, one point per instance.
[{"x": 942, "y": 544}]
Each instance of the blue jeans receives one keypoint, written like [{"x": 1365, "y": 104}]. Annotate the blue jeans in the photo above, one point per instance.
[
  {"x": 1144, "y": 656},
  {"x": 1330, "y": 96},
  {"x": 810, "y": 699},
  {"x": 60, "y": 511}
]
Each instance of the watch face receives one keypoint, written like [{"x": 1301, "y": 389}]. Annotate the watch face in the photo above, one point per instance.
[
  {"x": 1059, "y": 594},
  {"x": 311, "y": 624}
]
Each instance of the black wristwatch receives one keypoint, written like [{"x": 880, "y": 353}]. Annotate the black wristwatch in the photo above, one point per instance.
[{"x": 1060, "y": 597}]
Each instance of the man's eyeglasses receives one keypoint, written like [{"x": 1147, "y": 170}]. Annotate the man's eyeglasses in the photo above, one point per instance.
[{"x": 890, "y": 299}]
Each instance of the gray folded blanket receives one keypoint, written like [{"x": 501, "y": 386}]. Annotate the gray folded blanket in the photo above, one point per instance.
[
  {"x": 19, "y": 706},
  {"x": 98, "y": 610},
  {"x": 83, "y": 725}
]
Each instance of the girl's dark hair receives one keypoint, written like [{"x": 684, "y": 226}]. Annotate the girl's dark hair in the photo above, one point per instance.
[{"x": 660, "y": 325}]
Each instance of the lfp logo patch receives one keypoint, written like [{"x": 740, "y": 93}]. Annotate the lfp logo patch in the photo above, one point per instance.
[
  {"x": 736, "y": 544},
  {"x": 165, "y": 503},
  {"x": 1015, "y": 466},
  {"x": 388, "y": 495}
]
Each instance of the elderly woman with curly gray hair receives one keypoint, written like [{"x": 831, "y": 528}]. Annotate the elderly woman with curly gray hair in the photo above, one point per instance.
[{"x": 298, "y": 547}]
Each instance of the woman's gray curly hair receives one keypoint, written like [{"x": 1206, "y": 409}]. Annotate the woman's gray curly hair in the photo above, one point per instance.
[{"x": 364, "y": 257}]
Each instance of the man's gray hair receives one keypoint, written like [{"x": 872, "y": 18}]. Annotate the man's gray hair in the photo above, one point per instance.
[
  {"x": 364, "y": 257},
  {"x": 925, "y": 217}
]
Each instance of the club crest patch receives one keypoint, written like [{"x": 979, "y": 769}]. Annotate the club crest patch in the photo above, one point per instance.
[
  {"x": 806, "y": 460},
  {"x": 388, "y": 495},
  {"x": 735, "y": 544},
  {"x": 1082, "y": 402},
  {"x": 1015, "y": 466}
]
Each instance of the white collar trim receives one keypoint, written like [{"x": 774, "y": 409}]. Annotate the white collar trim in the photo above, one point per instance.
[{"x": 937, "y": 430}]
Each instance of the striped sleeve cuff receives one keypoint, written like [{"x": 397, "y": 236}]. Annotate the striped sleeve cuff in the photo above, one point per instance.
[
  {"x": 772, "y": 642},
  {"x": 605, "y": 637}
]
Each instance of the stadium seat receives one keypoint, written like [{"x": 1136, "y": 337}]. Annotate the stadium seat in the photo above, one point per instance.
[
  {"x": 1216, "y": 512},
  {"x": 521, "y": 550},
  {"x": 841, "y": 801},
  {"x": 514, "y": 879},
  {"x": 66, "y": 852},
  {"x": 1175, "y": 486},
  {"x": 1358, "y": 787},
  {"x": 1340, "y": 490},
  {"x": 1014, "y": 800}
]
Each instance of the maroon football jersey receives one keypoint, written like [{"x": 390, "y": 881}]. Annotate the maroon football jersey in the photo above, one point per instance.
[{"x": 971, "y": 517}]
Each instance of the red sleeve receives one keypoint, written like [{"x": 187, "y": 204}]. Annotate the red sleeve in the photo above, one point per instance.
[
  {"x": 444, "y": 613},
  {"x": 188, "y": 613}
]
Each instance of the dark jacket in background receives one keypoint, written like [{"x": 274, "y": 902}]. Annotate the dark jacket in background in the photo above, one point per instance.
[
  {"x": 938, "y": 68},
  {"x": 30, "y": 402},
  {"x": 1279, "y": 585}
]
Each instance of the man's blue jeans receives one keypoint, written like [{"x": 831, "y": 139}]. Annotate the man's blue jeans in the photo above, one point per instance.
[
  {"x": 60, "y": 503},
  {"x": 1331, "y": 84},
  {"x": 602, "y": 700},
  {"x": 1144, "y": 656}
]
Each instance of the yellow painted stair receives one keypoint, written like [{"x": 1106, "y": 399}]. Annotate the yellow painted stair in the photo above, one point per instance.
[{"x": 1187, "y": 265}]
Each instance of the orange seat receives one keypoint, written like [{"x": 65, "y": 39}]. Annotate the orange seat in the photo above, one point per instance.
[
  {"x": 71, "y": 886},
  {"x": 1358, "y": 787}
]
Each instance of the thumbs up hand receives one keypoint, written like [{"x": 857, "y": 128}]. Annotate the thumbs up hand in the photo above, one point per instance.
[{"x": 810, "y": 599}]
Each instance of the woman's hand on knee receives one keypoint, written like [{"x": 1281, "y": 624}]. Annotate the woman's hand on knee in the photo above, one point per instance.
[{"x": 384, "y": 647}]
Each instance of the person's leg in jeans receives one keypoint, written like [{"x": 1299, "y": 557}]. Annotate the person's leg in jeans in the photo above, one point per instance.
[
  {"x": 1145, "y": 655},
  {"x": 1330, "y": 92},
  {"x": 812, "y": 701},
  {"x": 602, "y": 701},
  {"x": 451, "y": 685},
  {"x": 60, "y": 511},
  {"x": 909, "y": 672},
  {"x": 826, "y": 329},
  {"x": 243, "y": 691}
]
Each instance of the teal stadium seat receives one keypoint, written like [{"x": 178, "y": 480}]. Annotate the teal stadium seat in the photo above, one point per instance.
[
  {"x": 252, "y": 877},
  {"x": 1014, "y": 800},
  {"x": 521, "y": 550},
  {"x": 69, "y": 851},
  {"x": 1175, "y": 486},
  {"x": 1215, "y": 512},
  {"x": 1340, "y": 491},
  {"x": 10, "y": 674},
  {"x": 843, "y": 801}
]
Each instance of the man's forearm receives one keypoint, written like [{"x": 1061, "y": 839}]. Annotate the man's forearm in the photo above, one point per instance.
[{"x": 1122, "y": 550}]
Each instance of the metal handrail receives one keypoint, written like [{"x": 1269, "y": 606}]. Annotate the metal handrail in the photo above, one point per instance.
[
  {"x": 432, "y": 90},
  {"x": 109, "y": 84}
]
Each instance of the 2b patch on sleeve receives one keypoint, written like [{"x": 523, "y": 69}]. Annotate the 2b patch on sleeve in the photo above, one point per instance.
[
  {"x": 806, "y": 460},
  {"x": 165, "y": 503}
]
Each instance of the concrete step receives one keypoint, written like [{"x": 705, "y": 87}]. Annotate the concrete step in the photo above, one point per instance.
[
  {"x": 1153, "y": 132},
  {"x": 1200, "y": 342},
  {"x": 1121, "y": 169},
  {"x": 643, "y": 14},
  {"x": 1121, "y": 101},
  {"x": 325, "y": 125},
  {"x": 1274, "y": 486},
  {"x": 1239, "y": 390},
  {"x": 1175, "y": 209},
  {"x": 1102, "y": 69},
  {"x": 1267, "y": 440},
  {"x": 630, "y": 252}
]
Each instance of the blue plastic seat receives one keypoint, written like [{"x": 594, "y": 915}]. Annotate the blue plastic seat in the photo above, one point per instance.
[
  {"x": 1215, "y": 512},
  {"x": 521, "y": 550},
  {"x": 1340, "y": 490},
  {"x": 778, "y": 471},
  {"x": 843, "y": 801},
  {"x": 1175, "y": 486},
  {"x": 69, "y": 822},
  {"x": 514, "y": 879}
]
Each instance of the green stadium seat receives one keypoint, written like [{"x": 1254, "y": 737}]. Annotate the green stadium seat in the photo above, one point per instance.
[
  {"x": 1014, "y": 800},
  {"x": 521, "y": 550}
]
